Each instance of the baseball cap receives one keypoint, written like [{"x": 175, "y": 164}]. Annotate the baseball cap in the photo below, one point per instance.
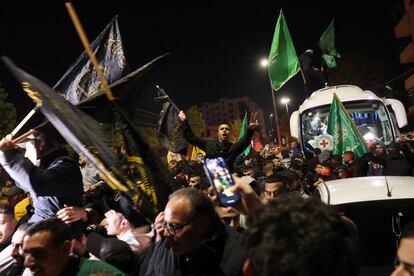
[{"x": 111, "y": 250}]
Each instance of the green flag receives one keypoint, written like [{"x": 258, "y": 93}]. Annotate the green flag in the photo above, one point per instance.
[
  {"x": 327, "y": 45},
  {"x": 283, "y": 61},
  {"x": 243, "y": 129},
  {"x": 346, "y": 136}
]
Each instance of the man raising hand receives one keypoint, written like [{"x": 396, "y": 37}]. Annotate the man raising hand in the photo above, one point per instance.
[{"x": 222, "y": 146}]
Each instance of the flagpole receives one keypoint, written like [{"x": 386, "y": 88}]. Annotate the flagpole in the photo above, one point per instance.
[
  {"x": 23, "y": 136},
  {"x": 279, "y": 140},
  {"x": 88, "y": 48},
  {"x": 163, "y": 95},
  {"x": 350, "y": 119},
  {"x": 304, "y": 81},
  {"x": 24, "y": 121},
  {"x": 108, "y": 177},
  {"x": 303, "y": 76}
]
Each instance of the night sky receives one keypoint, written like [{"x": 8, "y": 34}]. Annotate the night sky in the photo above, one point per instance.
[{"x": 215, "y": 49}]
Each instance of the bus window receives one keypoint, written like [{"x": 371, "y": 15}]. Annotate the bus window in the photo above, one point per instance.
[{"x": 370, "y": 117}]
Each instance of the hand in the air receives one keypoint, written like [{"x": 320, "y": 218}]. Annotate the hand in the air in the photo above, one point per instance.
[
  {"x": 182, "y": 116},
  {"x": 7, "y": 144},
  {"x": 70, "y": 214},
  {"x": 254, "y": 123}
]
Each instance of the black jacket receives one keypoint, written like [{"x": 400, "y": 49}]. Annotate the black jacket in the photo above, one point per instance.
[
  {"x": 394, "y": 164},
  {"x": 221, "y": 254},
  {"x": 214, "y": 148}
]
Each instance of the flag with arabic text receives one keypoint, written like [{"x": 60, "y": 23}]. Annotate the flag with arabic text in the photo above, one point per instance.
[{"x": 346, "y": 136}]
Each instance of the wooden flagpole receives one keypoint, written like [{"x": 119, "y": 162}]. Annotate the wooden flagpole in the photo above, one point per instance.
[
  {"x": 23, "y": 136},
  {"x": 88, "y": 48}
]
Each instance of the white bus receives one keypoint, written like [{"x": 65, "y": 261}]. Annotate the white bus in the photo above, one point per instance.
[
  {"x": 376, "y": 118},
  {"x": 379, "y": 205}
]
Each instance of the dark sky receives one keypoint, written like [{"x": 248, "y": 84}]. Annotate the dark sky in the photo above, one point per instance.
[{"x": 215, "y": 49}]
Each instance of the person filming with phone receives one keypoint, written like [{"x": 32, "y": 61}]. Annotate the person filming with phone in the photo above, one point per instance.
[{"x": 222, "y": 146}]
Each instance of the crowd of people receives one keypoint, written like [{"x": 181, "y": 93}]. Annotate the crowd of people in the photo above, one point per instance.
[{"x": 57, "y": 217}]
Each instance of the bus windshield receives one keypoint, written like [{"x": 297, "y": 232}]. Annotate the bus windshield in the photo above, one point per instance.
[{"x": 370, "y": 117}]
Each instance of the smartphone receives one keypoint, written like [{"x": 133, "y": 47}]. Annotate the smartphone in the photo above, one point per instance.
[{"x": 220, "y": 178}]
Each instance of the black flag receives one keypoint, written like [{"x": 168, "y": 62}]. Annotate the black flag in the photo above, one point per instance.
[
  {"x": 169, "y": 132},
  {"x": 148, "y": 193},
  {"x": 126, "y": 90},
  {"x": 81, "y": 80}
]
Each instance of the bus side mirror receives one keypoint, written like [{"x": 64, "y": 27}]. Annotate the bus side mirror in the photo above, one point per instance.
[{"x": 399, "y": 111}]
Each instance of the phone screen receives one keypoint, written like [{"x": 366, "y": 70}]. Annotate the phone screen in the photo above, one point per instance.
[{"x": 221, "y": 180}]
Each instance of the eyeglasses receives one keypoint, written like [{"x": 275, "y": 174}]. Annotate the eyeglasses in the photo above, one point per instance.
[{"x": 173, "y": 227}]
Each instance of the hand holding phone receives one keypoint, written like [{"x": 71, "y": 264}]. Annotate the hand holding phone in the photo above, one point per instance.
[{"x": 221, "y": 180}]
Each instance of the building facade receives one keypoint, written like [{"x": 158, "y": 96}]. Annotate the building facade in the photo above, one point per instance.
[
  {"x": 229, "y": 110},
  {"x": 405, "y": 28}
]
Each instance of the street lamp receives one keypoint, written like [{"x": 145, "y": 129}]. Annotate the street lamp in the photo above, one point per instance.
[
  {"x": 271, "y": 130},
  {"x": 264, "y": 64},
  {"x": 286, "y": 101}
]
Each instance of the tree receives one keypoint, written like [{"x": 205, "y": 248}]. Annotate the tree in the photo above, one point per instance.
[
  {"x": 284, "y": 126},
  {"x": 150, "y": 136},
  {"x": 8, "y": 114},
  {"x": 195, "y": 120}
]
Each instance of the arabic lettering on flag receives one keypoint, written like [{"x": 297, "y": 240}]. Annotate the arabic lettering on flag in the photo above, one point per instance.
[
  {"x": 148, "y": 175},
  {"x": 346, "y": 136},
  {"x": 81, "y": 80},
  {"x": 85, "y": 136}
]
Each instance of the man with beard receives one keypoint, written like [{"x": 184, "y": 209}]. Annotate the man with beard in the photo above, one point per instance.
[
  {"x": 47, "y": 251},
  {"x": 222, "y": 146}
]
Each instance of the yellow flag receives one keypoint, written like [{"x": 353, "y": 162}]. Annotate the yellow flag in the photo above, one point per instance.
[{"x": 196, "y": 151}]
